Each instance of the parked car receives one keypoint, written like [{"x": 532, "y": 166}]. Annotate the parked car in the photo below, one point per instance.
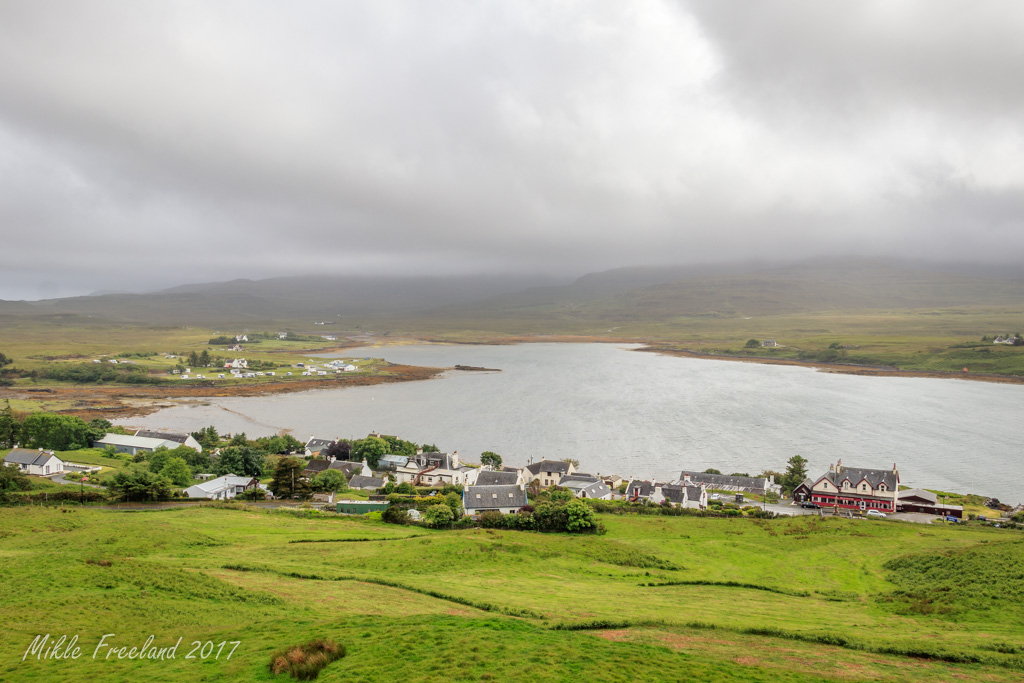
[
  {"x": 809, "y": 505},
  {"x": 875, "y": 513}
]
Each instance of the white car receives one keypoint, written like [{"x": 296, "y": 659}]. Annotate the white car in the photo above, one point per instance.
[{"x": 875, "y": 513}]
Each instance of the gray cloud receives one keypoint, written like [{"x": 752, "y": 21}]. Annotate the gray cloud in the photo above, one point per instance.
[{"x": 148, "y": 144}]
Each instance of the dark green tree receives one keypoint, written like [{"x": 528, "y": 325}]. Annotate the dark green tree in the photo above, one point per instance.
[
  {"x": 204, "y": 359},
  {"x": 207, "y": 437},
  {"x": 10, "y": 428},
  {"x": 712, "y": 470},
  {"x": 241, "y": 460},
  {"x": 398, "y": 446},
  {"x": 370, "y": 448},
  {"x": 752, "y": 344},
  {"x": 139, "y": 486},
  {"x": 328, "y": 481},
  {"x": 177, "y": 471},
  {"x": 57, "y": 432},
  {"x": 12, "y": 479},
  {"x": 796, "y": 472},
  {"x": 288, "y": 481},
  {"x": 490, "y": 459}
]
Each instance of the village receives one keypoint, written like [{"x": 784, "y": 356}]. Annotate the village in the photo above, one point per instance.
[{"x": 379, "y": 472}]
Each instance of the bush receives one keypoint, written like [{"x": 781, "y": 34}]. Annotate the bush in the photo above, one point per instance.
[
  {"x": 304, "y": 662},
  {"x": 252, "y": 494},
  {"x": 395, "y": 515},
  {"x": 439, "y": 515}
]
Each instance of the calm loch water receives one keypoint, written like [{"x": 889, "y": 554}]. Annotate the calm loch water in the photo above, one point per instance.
[{"x": 645, "y": 415}]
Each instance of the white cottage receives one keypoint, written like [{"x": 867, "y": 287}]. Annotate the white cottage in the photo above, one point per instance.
[{"x": 41, "y": 463}]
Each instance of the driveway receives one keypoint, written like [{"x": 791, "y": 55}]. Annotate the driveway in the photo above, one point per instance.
[{"x": 59, "y": 479}]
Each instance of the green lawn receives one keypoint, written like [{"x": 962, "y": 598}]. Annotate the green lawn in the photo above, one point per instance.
[{"x": 810, "y": 599}]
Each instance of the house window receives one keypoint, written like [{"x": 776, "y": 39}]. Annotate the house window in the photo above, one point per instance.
[
  {"x": 863, "y": 487},
  {"x": 494, "y": 495}
]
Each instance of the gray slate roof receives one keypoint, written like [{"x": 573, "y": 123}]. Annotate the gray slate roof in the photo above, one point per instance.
[
  {"x": 674, "y": 493},
  {"x": 25, "y": 456},
  {"x": 639, "y": 488},
  {"x": 578, "y": 476},
  {"x": 595, "y": 489},
  {"x": 317, "y": 465},
  {"x": 493, "y": 497},
  {"x": 490, "y": 478},
  {"x": 346, "y": 466},
  {"x": 358, "y": 481},
  {"x": 168, "y": 436},
  {"x": 856, "y": 474},
  {"x": 317, "y": 445},
  {"x": 548, "y": 466}
]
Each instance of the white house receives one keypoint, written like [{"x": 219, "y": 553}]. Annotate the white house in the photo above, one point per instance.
[
  {"x": 42, "y": 463},
  {"x": 222, "y": 488},
  {"x": 237, "y": 363}
]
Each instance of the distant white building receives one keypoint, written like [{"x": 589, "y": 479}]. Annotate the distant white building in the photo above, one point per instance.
[{"x": 237, "y": 363}]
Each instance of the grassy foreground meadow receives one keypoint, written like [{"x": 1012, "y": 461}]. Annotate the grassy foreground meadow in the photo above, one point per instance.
[{"x": 655, "y": 599}]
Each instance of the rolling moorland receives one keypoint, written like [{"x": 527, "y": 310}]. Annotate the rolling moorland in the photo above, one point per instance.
[
  {"x": 656, "y": 598},
  {"x": 898, "y": 316}
]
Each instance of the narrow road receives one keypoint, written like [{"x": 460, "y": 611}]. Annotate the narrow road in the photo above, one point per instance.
[{"x": 59, "y": 479}]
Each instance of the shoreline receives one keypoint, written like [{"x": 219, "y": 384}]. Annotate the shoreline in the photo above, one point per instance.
[
  {"x": 115, "y": 402},
  {"x": 840, "y": 368}
]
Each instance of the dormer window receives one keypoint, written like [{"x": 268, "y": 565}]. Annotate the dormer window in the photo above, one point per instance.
[
  {"x": 881, "y": 487},
  {"x": 863, "y": 487},
  {"x": 846, "y": 484}
]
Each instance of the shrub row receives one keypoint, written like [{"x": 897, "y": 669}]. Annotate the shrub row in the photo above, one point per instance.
[
  {"x": 352, "y": 540},
  {"x": 731, "y": 584}
]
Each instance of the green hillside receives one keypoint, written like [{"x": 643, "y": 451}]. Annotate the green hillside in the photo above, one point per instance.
[{"x": 656, "y": 599}]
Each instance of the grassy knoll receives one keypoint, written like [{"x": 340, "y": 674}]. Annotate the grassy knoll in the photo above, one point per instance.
[{"x": 800, "y": 599}]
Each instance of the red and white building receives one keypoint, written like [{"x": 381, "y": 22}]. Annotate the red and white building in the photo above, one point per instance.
[{"x": 853, "y": 488}]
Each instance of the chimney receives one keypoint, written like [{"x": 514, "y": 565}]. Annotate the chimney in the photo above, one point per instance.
[{"x": 771, "y": 480}]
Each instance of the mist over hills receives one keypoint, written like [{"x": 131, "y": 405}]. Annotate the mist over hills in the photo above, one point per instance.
[{"x": 624, "y": 294}]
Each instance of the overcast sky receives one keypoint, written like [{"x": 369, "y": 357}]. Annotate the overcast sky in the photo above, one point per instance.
[{"x": 147, "y": 144}]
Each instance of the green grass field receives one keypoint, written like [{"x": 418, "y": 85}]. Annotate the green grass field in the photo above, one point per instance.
[{"x": 800, "y": 599}]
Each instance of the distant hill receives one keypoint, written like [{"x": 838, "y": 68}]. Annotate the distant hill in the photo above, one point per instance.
[
  {"x": 828, "y": 285},
  {"x": 624, "y": 295},
  {"x": 285, "y": 298}
]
